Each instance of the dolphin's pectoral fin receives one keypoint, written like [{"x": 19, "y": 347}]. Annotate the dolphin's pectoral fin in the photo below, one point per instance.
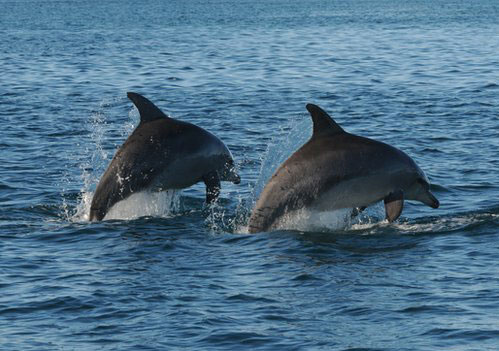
[
  {"x": 394, "y": 203},
  {"x": 212, "y": 181}
]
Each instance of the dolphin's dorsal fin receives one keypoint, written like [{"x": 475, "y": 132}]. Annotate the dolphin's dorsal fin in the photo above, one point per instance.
[
  {"x": 323, "y": 123},
  {"x": 147, "y": 110}
]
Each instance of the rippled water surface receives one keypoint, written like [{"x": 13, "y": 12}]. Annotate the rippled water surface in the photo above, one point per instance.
[{"x": 167, "y": 273}]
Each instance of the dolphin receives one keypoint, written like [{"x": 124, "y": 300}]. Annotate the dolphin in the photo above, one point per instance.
[
  {"x": 163, "y": 153},
  {"x": 336, "y": 170}
]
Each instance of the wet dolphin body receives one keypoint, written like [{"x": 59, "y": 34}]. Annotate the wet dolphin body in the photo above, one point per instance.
[
  {"x": 335, "y": 170},
  {"x": 162, "y": 153}
]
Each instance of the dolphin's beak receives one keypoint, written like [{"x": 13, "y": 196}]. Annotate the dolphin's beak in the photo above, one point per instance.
[
  {"x": 431, "y": 200},
  {"x": 230, "y": 175},
  {"x": 233, "y": 176}
]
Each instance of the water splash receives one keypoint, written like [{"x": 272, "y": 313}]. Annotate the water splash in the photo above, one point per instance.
[
  {"x": 448, "y": 224},
  {"x": 105, "y": 138},
  {"x": 292, "y": 137},
  {"x": 217, "y": 219}
]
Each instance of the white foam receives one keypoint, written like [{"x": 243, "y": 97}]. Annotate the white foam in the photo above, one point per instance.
[
  {"x": 82, "y": 208},
  {"x": 445, "y": 224}
]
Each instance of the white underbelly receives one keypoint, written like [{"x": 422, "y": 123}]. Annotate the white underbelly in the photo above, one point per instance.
[{"x": 353, "y": 193}]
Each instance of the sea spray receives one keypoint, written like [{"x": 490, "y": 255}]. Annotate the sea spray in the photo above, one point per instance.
[
  {"x": 105, "y": 138},
  {"x": 291, "y": 137}
]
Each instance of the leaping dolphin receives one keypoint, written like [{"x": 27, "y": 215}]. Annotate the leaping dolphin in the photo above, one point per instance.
[
  {"x": 335, "y": 170},
  {"x": 163, "y": 153}
]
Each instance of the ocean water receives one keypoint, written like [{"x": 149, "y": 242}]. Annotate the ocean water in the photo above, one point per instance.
[{"x": 167, "y": 273}]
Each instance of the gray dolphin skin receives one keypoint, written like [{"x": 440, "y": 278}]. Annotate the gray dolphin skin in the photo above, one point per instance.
[
  {"x": 163, "y": 153},
  {"x": 335, "y": 170}
]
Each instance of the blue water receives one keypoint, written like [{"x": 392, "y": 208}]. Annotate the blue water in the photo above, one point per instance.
[{"x": 166, "y": 273}]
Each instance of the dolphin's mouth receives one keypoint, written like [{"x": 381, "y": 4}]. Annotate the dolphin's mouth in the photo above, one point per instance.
[
  {"x": 432, "y": 201},
  {"x": 436, "y": 204}
]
